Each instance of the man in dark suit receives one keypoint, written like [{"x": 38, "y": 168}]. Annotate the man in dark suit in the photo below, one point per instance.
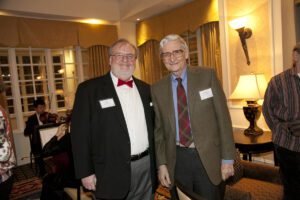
[
  {"x": 112, "y": 131},
  {"x": 193, "y": 132},
  {"x": 34, "y": 121}
]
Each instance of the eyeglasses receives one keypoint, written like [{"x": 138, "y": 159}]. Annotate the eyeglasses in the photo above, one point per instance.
[
  {"x": 121, "y": 57},
  {"x": 176, "y": 53}
]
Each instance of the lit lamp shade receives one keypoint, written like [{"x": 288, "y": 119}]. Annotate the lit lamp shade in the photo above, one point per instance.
[{"x": 251, "y": 88}]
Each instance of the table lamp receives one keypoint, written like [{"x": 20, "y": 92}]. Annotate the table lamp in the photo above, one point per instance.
[{"x": 251, "y": 88}]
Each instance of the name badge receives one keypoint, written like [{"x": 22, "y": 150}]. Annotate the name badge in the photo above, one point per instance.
[
  {"x": 205, "y": 94},
  {"x": 106, "y": 103},
  {"x": 151, "y": 104}
]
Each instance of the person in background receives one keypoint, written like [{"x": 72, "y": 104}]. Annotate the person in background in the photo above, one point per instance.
[
  {"x": 33, "y": 121},
  {"x": 193, "y": 132},
  {"x": 7, "y": 157},
  {"x": 112, "y": 131},
  {"x": 281, "y": 109},
  {"x": 59, "y": 147}
]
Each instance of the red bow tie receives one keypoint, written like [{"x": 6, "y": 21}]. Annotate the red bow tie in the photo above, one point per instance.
[{"x": 128, "y": 83}]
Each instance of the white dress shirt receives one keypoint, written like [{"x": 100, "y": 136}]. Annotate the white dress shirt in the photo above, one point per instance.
[
  {"x": 38, "y": 117},
  {"x": 134, "y": 114}
]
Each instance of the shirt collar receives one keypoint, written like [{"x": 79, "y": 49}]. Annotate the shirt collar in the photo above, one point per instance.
[
  {"x": 115, "y": 79},
  {"x": 183, "y": 76}
]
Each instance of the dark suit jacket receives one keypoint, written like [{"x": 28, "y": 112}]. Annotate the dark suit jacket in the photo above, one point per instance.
[
  {"x": 210, "y": 122},
  {"x": 34, "y": 138},
  {"x": 31, "y": 123},
  {"x": 100, "y": 138}
]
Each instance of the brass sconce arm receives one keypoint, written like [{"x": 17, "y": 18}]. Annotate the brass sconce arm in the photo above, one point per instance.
[{"x": 244, "y": 34}]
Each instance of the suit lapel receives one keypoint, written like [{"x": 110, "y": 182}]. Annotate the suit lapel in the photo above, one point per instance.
[
  {"x": 192, "y": 90},
  {"x": 170, "y": 103},
  {"x": 111, "y": 92}
]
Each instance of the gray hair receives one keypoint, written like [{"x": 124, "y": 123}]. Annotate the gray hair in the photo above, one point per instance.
[
  {"x": 122, "y": 42},
  {"x": 173, "y": 37}
]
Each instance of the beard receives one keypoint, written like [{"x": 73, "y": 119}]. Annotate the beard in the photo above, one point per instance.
[{"x": 123, "y": 72}]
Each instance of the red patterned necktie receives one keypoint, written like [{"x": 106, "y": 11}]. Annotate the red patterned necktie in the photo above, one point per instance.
[
  {"x": 128, "y": 83},
  {"x": 185, "y": 134}
]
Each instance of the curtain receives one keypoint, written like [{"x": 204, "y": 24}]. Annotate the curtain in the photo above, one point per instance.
[
  {"x": 150, "y": 64},
  {"x": 187, "y": 17},
  {"x": 41, "y": 33},
  {"x": 98, "y": 60},
  {"x": 210, "y": 44}
]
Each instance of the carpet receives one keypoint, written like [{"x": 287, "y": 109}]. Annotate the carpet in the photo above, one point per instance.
[
  {"x": 162, "y": 193},
  {"x": 30, "y": 187}
]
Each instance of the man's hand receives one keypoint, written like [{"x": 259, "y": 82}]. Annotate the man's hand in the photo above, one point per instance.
[
  {"x": 89, "y": 182},
  {"x": 227, "y": 170},
  {"x": 294, "y": 127},
  {"x": 163, "y": 176},
  {"x": 61, "y": 131}
]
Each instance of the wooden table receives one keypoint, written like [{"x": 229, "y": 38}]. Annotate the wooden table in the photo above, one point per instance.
[{"x": 249, "y": 144}]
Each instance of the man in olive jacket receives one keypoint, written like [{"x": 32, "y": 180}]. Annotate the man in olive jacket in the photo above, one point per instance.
[{"x": 207, "y": 158}]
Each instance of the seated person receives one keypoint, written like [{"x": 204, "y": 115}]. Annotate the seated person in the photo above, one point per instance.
[
  {"x": 40, "y": 117},
  {"x": 34, "y": 120},
  {"x": 60, "y": 148}
]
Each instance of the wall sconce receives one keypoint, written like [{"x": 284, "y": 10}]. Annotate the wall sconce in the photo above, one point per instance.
[
  {"x": 244, "y": 33},
  {"x": 251, "y": 88}
]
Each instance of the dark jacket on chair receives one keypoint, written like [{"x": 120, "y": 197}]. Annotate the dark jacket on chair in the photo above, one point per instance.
[{"x": 62, "y": 173}]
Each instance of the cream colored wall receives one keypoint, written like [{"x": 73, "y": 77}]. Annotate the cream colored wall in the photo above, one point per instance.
[
  {"x": 272, "y": 24},
  {"x": 289, "y": 32},
  {"x": 259, "y": 45},
  {"x": 264, "y": 47}
]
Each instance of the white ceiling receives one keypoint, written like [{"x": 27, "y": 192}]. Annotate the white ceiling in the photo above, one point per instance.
[{"x": 111, "y": 11}]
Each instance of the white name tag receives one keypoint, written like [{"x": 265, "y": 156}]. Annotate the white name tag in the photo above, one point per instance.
[
  {"x": 106, "y": 103},
  {"x": 151, "y": 104},
  {"x": 205, "y": 94}
]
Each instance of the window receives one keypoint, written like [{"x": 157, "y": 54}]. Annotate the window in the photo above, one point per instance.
[
  {"x": 65, "y": 77},
  {"x": 50, "y": 74},
  {"x": 5, "y": 73},
  {"x": 32, "y": 77},
  {"x": 193, "y": 40}
]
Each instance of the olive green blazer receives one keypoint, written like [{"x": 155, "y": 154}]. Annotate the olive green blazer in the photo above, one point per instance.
[{"x": 210, "y": 122}]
